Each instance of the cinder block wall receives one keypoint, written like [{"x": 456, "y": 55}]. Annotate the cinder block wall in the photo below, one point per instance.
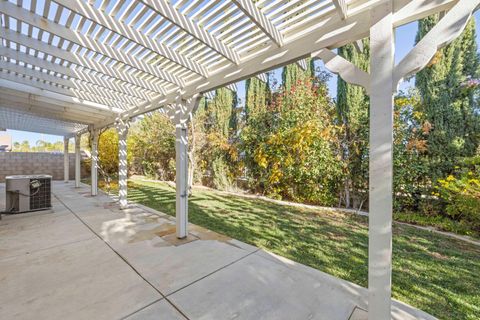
[{"x": 15, "y": 163}]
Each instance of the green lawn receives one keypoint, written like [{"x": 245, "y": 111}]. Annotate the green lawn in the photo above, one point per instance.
[{"x": 437, "y": 274}]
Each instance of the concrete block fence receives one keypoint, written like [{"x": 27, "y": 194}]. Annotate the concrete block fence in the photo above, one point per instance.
[{"x": 19, "y": 163}]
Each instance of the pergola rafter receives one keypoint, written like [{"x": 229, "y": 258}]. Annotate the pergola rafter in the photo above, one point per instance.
[
  {"x": 72, "y": 86},
  {"x": 341, "y": 6},
  {"x": 167, "y": 11},
  {"x": 77, "y": 59},
  {"x": 86, "y": 42},
  {"x": 44, "y": 107},
  {"x": 43, "y": 81},
  {"x": 54, "y": 99},
  {"x": 256, "y": 15},
  {"x": 27, "y": 106},
  {"x": 92, "y": 78},
  {"x": 127, "y": 31},
  {"x": 20, "y": 119}
]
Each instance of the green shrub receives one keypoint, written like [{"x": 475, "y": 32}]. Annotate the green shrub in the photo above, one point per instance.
[
  {"x": 220, "y": 175},
  {"x": 292, "y": 148},
  {"x": 461, "y": 193},
  {"x": 438, "y": 221}
]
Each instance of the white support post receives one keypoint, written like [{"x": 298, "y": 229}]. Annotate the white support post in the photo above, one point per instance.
[
  {"x": 181, "y": 160},
  {"x": 381, "y": 165},
  {"x": 181, "y": 113},
  {"x": 94, "y": 166},
  {"x": 77, "y": 161},
  {"x": 122, "y": 130},
  {"x": 381, "y": 84},
  {"x": 66, "y": 164}
]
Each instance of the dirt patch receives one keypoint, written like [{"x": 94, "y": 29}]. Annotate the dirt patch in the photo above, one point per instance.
[
  {"x": 336, "y": 236},
  {"x": 166, "y": 230},
  {"x": 173, "y": 240},
  {"x": 149, "y": 234},
  {"x": 438, "y": 256},
  {"x": 109, "y": 205}
]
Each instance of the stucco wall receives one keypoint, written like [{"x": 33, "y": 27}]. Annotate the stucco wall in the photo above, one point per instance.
[{"x": 13, "y": 163}]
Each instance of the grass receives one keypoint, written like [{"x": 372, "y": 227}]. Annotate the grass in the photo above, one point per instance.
[{"x": 437, "y": 274}]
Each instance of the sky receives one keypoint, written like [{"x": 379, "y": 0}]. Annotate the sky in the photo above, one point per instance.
[{"x": 405, "y": 39}]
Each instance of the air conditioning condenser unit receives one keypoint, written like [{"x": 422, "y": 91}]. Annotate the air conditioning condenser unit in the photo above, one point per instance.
[{"x": 28, "y": 193}]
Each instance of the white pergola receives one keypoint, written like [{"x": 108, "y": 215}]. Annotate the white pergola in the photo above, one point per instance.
[{"x": 72, "y": 66}]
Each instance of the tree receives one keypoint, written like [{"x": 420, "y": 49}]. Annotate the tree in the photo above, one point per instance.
[
  {"x": 108, "y": 151},
  {"x": 21, "y": 147},
  {"x": 293, "y": 73},
  {"x": 151, "y": 146},
  {"x": 219, "y": 132},
  {"x": 410, "y": 166},
  {"x": 257, "y": 95},
  {"x": 221, "y": 113},
  {"x": 291, "y": 148},
  {"x": 451, "y": 112},
  {"x": 352, "y": 111},
  {"x": 41, "y": 145}
]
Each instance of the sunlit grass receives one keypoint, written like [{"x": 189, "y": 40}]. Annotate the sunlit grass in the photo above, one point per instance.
[{"x": 437, "y": 274}]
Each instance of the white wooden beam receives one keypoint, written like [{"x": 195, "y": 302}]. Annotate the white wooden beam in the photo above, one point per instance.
[
  {"x": 358, "y": 46},
  {"x": 341, "y": 6},
  {"x": 302, "y": 63},
  {"x": 413, "y": 10},
  {"x": 182, "y": 110},
  {"x": 250, "y": 9},
  {"x": 232, "y": 87},
  {"x": 101, "y": 18},
  {"x": 262, "y": 77},
  {"x": 181, "y": 163},
  {"x": 166, "y": 10},
  {"x": 444, "y": 32},
  {"x": 344, "y": 68}
]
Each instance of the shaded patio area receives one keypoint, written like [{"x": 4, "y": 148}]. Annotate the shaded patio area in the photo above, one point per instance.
[
  {"x": 72, "y": 67},
  {"x": 87, "y": 259}
]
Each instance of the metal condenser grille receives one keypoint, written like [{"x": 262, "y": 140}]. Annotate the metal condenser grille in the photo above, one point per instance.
[{"x": 40, "y": 198}]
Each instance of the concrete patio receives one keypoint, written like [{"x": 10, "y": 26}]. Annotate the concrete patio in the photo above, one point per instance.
[{"x": 87, "y": 259}]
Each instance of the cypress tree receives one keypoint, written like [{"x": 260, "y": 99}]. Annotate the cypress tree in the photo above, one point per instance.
[
  {"x": 292, "y": 73},
  {"x": 352, "y": 111},
  {"x": 257, "y": 94},
  {"x": 449, "y": 109},
  {"x": 221, "y": 111}
]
